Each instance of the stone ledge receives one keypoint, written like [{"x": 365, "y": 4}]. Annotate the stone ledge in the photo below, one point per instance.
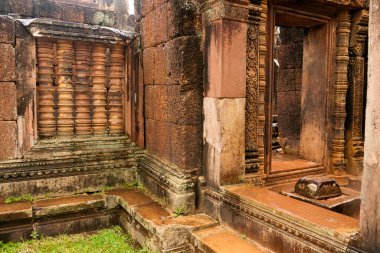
[{"x": 15, "y": 211}]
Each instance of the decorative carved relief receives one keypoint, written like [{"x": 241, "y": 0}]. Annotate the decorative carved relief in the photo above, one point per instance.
[
  {"x": 252, "y": 86},
  {"x": 46, "y": 118},
  {"x": 340, "y": 91},
  {"x": 262, "y": 82},
  {"x": 356, "y": 95}
]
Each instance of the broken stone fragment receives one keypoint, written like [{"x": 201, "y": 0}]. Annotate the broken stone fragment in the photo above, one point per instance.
[{"x": 318, "y": 188}]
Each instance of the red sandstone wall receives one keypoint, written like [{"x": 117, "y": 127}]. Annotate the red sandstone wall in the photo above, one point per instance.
[
  {"x": 289, "y": 87},
  {"x": 173, "y": 81},
  {"x": 8, "y": 94}
]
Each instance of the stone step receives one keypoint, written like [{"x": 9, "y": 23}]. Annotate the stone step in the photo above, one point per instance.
[{"x": 221, "y": 239}]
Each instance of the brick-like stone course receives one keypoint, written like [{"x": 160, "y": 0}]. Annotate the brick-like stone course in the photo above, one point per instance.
[
  {"x": 8, "y": 140},
  {"x": 8, "y": 100},
  {"x": 8, "y": 65}
]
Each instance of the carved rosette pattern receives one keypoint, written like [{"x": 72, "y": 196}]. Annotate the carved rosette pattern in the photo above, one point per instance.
[
  {"x": 98, "y": 90},
  {"x": 82, "y": 89},
  {"x": 64, "y": 76},
  {"x": 251, "y": 112},
  {"x": 262, "y": 83},
  {"x": 46, "y": 118},
  {"x": 115, "y": 94},
  {"x": 340, "y": 91}
]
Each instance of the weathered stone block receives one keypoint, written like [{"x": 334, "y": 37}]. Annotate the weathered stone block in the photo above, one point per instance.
[
  {"x": 151, "y": 136},
  {"x": 23, "y": 8},
  {"x": 289, "y": 126},
  {"x": 185, "y": 61},
  {"x": 146, "y": 7},
  {"x": 73, "y": 14},
  {"x": 161, "y": 73},
  {"x": 161, "y": 102},
  {"x": 224, "y": 140},
  {"x": 7, "y": 30},
  {"x": 182, "y": 18},
  {"x": 149, "y": 102},
  {"x": 163, "y": 140},
  {"x": 185, "y": 103},
  {"x": 148, "y": 31},
  {"x": 8, "y": 140},
  {"x": 8, "y": 104},
  {"x": 96, "y": 17},
  {"x": 186, "y": 146},
  {"x": 225, "y": 69},
  {"x": 8, "y": 65},
  {"x": 50, "y": 10},
  {"x": 289, "y": 103},
  {"x": 161, "y": 25},
  {"x": 149, "y": 56}
]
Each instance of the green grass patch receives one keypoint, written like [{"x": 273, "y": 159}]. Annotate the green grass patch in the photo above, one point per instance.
[
  {"x": 13, "y": 199},
  {"x": 111, "y": 240}
]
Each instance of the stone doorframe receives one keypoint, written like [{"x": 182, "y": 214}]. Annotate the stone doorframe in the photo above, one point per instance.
[{"x": 235, "y": 90}]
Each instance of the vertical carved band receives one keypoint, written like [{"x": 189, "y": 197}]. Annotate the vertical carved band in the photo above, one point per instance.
[
  {"x": 64, "y": 74},
  {"x": 46, "y": 118},
  {"x": 340, "y": 91},
  {"x": 252, "y": 88},
  {"x": 99, "y": 120},
  {"x": 82, "y": 89},
  {"x": 115, "y": 94},
  {"x": 262, "y": 82}
]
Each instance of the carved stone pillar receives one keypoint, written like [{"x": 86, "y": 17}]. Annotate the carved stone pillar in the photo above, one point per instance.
[
  {"x": 252, "y": 90},
  {"x": 225, "y": 91},
  {"x": 340, "y": 91},
  {"x": 262, "y": 83},
  {"x": 98, "y": 90},
  {"x": 65, "y": 57},
  {"x": 356, "y": 95},
  {"x": 115, "y": 94},
  {"x": 46, "y": 118},
  {"x": 82, "y": 89}
]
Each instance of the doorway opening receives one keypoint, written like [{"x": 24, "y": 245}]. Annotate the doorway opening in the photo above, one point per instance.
[{"x": 299, "y": 60}]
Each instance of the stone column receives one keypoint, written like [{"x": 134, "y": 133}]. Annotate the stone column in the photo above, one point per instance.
[
  {"x": 370, "y": 203},
  {"x": 225, "y": 91}
]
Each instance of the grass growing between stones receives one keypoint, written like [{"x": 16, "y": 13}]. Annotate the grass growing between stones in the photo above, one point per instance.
[{"x": 111, "y": 240}]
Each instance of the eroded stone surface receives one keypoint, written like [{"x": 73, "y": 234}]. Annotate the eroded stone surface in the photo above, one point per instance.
[{"x": 15, "y": 211}]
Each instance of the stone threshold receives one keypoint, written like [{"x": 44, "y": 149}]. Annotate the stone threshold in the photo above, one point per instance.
[
  {"x": 140, "y": 215},
  {"x": 280, "y": 222}
]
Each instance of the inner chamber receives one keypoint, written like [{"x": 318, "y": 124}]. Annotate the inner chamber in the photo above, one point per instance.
[{"x": 300, "y": 60}]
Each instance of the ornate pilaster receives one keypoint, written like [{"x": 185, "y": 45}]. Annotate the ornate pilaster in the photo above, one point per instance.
[
  {"x": 262, "y": 82},
  {"x": 356, "y": 94},
  {"x": 82, "y": 89},
  {"x": 98, "y": 90},
  {"x": 46, "y": 118},
  {"x": 115, "y": 94},
  {"x": 340, "y": 90},
  {"x": 64, "y": 74},
  {"x": 252, "y": 93}
]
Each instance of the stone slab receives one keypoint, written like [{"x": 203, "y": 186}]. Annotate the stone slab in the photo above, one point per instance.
[
  {"x": 222, "y": 240},
  {"x": 8, "y": 65},
  {"x": 67, "y": 205},
  {"x": 15, "y": 211},
  {"x": 7, "y": 30},
  {"x": 8, "y": 140}
]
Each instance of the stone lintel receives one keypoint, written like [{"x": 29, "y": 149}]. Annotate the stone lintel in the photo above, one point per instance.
[
  {"x": 55, "y": 29},
  {"x": 231, "y": 10},
  {"x": 224, "y": 140}
]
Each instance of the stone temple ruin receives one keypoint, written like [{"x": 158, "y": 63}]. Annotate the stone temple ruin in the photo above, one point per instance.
[{"x": 189, "y": 122}]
